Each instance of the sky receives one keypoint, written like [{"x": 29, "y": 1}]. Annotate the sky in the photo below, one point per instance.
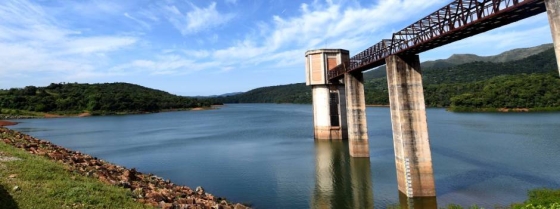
[{"x": 203, "y": 47}]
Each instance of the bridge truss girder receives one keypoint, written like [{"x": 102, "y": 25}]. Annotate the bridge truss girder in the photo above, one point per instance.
[{"x": 458, "y": 20}]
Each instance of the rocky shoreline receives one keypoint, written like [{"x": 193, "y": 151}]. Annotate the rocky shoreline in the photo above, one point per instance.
[{"x": 146, "y": 188}]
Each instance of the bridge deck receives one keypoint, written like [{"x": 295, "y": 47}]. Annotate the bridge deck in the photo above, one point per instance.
[{"x": 455, "y": 21}]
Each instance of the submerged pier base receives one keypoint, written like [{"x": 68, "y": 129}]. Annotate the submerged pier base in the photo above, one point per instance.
[
  {"x": 356, "y": 111},
  {"x": 413, "y": 158}
]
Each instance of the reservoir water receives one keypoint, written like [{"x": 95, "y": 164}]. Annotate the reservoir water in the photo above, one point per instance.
[{"x": 265, "y": 154}]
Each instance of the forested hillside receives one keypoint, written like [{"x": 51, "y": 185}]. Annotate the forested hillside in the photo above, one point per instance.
[
  {"x": 441, "y": 84},
  {"x": 291, "y": 93},
  {"x": 105, "y": 98},
  {"x": 454, "y": 85},
  {"x": 458, "y": 59},
  {"x": 537, "y": 91}
]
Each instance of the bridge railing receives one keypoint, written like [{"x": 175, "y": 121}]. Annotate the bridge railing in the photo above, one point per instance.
[
  {"x": 455, "y": 21},
  {"x": 372, "y": 55}
]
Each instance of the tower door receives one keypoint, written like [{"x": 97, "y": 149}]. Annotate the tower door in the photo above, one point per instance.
[{"x": 334, "y": 103}]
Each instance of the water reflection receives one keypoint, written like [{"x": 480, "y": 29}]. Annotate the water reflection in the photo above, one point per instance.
[
  {"x": 417, "y": 202},
  {"x": 341, "y": 181}
]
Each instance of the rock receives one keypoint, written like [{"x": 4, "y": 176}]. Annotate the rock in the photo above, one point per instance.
[
  {"x": 181, "y": 201},
  {"x": 165, "y": 205},
  {"x": 182, "y": 206},
  {"x": 240, "y": 206},
  {"x": 155, "y": 196},
  {"x": 124, "y": 184},
  {"x": 16, "y": 188},
  {"x": 199, "y": 190}
]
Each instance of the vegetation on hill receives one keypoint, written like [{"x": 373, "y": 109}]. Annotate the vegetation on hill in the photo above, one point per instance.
[
  {"x": 458, "y": 59},
  {"x": 108, "y": 98},
  {"x": 291, "y": 93},
  {"x": 530, "y": 82},
  {"x": 536, "y": 91},
  {"x": 441, "y": 85}
]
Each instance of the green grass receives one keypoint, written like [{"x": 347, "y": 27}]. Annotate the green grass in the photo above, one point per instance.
[{"x": 47, "y": 184}]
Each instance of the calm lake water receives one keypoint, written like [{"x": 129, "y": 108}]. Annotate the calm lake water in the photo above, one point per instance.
[{"x": 264, "y": 154}]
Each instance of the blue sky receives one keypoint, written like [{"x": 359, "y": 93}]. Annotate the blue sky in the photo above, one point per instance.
[{"x": 210, "y": 47}]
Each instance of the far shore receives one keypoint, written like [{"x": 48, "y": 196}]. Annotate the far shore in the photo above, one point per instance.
[
  {"x": 503, "y": 109},
  {"x": 374, "y": 105},
  {"x": 88, "y": 114}
]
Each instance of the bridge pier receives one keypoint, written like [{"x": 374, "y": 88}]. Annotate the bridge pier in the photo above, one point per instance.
[
  {"x": 410, "y": 130},
  {"x": 329, "y": 98},
  {"x": 553, "y": 12},
  {"x": 356, "y": 111}
]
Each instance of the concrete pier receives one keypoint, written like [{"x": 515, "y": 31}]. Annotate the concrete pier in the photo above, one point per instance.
[
  {"x": 417, "y": 202},
  {"x": 410, "y": 130},
  {"x": 553, "y": 11},
  {"x": 356, "y": 113},
  {"x": 329, "y": 99}
]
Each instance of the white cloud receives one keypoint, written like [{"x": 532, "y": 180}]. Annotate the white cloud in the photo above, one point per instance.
[
  {"x": 198, "y": 54},
  {"x": 163, "y": 65},
  {"x": 198, "y": 19},
  {"x": 141, "y": 22},
  {"x": 32, "y": 41},
  {"x": 281, "y": 43}
]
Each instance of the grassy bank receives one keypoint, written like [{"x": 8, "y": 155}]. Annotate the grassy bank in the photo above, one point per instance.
[{"x": 30, "y": 181}]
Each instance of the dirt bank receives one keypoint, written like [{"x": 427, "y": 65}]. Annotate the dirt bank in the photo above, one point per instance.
[
  {"x": 7, "y": 123},
  {"x": 146, "y": 188}
]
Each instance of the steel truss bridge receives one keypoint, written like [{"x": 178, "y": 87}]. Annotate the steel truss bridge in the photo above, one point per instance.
[{"x": 455, "y": 21}]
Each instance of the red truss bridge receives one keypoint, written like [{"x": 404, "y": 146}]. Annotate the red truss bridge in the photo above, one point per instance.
[{"x": 455, "y": 21}]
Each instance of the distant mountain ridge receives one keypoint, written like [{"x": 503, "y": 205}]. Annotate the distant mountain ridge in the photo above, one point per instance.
[
  {"x": 221, "y": 95},
  {"x": 458, "y": 59},
  {"x": 511, "y": 55}
]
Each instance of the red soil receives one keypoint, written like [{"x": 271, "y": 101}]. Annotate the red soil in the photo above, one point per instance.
[{"x": 7, "y": 123}]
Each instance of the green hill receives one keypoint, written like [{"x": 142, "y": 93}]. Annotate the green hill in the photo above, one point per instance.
[
  {"x": 458, "y": 59},
  {"x": 446, "y": 81},
  {"x": 291, "y": 93},
  {"x": 107, "y": 98}
]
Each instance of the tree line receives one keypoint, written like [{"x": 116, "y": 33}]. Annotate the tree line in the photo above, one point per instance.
[{"x": 104, "y": 98}]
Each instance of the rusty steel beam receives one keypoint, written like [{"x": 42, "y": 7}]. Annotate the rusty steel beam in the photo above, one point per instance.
[{"x": 458, "y": 20}]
